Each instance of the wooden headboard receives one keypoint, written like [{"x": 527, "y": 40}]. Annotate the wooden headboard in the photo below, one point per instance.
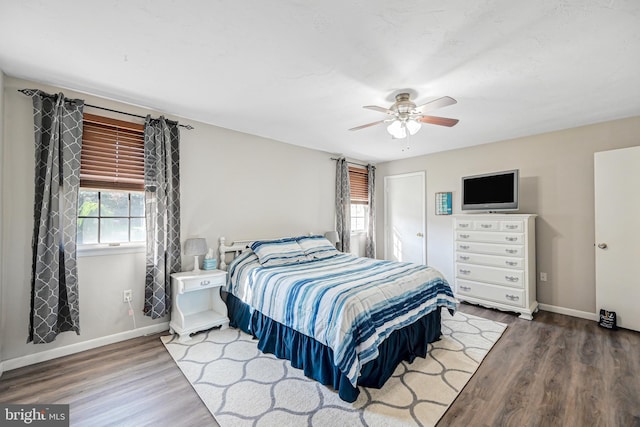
[{"x": 236, "y": 247}]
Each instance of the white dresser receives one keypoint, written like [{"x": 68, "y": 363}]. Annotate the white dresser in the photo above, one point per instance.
[{"x": 495, "y": 261}]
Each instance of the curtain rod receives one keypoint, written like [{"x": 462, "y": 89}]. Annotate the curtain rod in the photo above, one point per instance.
[
  {"x": 188, "y": 127},
  {"x": 351, "y": 163}
]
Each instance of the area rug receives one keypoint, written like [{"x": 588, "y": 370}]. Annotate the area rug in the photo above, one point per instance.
[{"x": 241, "y": 386}]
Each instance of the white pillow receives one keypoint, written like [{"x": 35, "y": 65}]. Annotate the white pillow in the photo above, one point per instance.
[{"x": 317, "y": 247}]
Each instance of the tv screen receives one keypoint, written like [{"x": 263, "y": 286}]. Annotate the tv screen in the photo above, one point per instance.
[{"x": 496, "y": 191}]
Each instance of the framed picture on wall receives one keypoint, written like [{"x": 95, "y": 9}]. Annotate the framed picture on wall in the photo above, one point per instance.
[{"x": 443, "y": 203}]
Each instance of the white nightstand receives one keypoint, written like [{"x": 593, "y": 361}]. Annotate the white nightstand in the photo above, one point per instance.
[{"x": 197, "y": 305}]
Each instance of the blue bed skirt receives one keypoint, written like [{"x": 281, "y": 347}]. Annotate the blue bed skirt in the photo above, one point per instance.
[{"x": 316, "y": 359}]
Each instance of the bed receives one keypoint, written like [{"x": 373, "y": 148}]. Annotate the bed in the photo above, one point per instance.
[{"x": 345, "y": 321}]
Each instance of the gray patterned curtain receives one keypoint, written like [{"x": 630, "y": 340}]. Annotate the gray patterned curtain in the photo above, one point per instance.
[
  {"x": 54, "y": 279},
  {"x": 162, "y": 210},
  {"x": 370, "y": 247},
  {"x": 343, "y": 205}
]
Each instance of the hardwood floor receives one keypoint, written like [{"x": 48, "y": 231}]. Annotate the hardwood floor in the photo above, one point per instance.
[
  {"x": 553, "y": 371},
  {"x": 131, "y": 383}
]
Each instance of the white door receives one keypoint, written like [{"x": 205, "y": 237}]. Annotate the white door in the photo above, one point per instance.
[
  {"x": 404, "y": 218},
  {"x": 617, "y": 246}
]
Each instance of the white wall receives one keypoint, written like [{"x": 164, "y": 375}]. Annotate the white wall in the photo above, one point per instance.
[
  {"x": 556, "y": 182},
  {"x": 234, "y": 185},
  {"x": 2, "y": 190},
  {"x": 242, "y": 186}
]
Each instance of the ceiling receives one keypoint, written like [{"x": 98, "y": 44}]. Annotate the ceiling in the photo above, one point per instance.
[{"x": 299, "y": 71}]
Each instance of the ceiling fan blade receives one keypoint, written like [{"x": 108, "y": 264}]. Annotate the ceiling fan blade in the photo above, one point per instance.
[
  {"x": 380, "y": 109},
  {"x": 436, "y": 103},
  {"x": 442, "y": 121},
  {"x": 367, "y": 125}
]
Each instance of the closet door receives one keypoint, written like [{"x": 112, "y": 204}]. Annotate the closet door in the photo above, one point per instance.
[
  {"x": 617, "y": 245},
  {"x": 404, "y": 218}
]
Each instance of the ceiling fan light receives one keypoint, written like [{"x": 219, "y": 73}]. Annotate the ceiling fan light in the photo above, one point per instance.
[
  {"x": 397, "y": 129},
  {"x": 413, "y": 126}
]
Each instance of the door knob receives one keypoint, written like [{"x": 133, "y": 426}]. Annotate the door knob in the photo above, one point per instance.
[
  {"x": 602, "y": 245},
  {"x": 420, "y": 235}
]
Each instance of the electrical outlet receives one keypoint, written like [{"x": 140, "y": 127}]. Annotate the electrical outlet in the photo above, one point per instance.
[
  {"x": 127, "y": 296},
  {"x": 543, "y": 277}
]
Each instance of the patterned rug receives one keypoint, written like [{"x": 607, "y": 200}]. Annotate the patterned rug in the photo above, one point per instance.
[{"x": 241, "y": 386}]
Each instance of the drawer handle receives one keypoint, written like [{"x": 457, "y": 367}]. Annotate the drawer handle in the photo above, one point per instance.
[
  {"x": 512, "y": 297},
  {"x": 464, "y": 246},
  {"x": 511, "y": 251},
  {"x": 464, "y": 257},
  {"x": 511, "y": 278},
  {"x": 464, "y": 271},
  {"x": 511, "y": 227},
  {"x": 463, "y": 225},
  {"x": 205, "y": 283},
  {"x": 465, "y": 288},
  {"x": 511, "y": 239},
  {"x": 485, "y": 225},
  {"x": 511, "y": 263},
  {"x": 464, "y": 236}
]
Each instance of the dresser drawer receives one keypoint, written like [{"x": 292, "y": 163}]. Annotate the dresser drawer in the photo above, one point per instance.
[
  {"x": 491, "y": 249},
  {"x": 486, "y": 225},
  {"x": 509, "y": 296},
  {"x": 513, "y": 226},
  {"x": 464, "y": 224},
  {"x": 203, "y": 282},
  {"x": 499, "y": 276},
  {"x": 491, "y": 260},
  {"x": 490, "y": 237}
]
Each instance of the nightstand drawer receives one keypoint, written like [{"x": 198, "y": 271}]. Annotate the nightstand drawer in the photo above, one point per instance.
[{"x": 203, "y": 282}]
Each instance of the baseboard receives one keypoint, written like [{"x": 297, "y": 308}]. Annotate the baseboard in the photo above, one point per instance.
[
  {"x": 569, "y": 312},
  {"x": 43, "y": 356}
]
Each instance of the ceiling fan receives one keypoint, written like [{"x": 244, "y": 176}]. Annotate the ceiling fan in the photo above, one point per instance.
[{"x": 406, "y": 117}]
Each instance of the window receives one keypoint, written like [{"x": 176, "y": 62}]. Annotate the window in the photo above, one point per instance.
[
  {"x": 110, "y": 217},
  {"x": 111, "y": 197},
  {"x": 359, "y": 185},
  {"x": 359, "y": 218}
]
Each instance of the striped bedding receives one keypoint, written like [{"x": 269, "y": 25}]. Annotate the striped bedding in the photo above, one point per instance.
[{"x": 347, "y": 303}]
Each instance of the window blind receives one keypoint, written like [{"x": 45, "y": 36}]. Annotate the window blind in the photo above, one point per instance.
[
  {"x": 359, "y": 184},
  {"x": 112, "y": 154}
]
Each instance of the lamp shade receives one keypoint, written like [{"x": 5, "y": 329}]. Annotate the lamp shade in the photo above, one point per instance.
[
  {"x": 332, "y": 236},
  {"x": 413, "y": 126},
  {"x": 197, "y": 246},
  {"x": 397, "y": 129}
]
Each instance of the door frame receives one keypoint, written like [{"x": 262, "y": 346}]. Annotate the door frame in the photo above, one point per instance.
[{"x": 423, "y": 221}]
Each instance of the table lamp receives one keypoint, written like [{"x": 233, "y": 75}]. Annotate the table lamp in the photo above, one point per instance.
[{"x": 195, "y": 247}]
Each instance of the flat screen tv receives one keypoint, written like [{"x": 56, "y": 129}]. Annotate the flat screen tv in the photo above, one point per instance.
[{"x": 496, "y": 191}]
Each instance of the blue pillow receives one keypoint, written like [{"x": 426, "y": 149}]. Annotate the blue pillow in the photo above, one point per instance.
[
  {"x": 278, "y": 252},
  {"x": 317, "y": 247}
]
